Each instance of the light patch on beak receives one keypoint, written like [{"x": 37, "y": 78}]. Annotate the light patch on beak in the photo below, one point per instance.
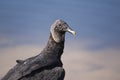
[{"x": 71, "y": 31}]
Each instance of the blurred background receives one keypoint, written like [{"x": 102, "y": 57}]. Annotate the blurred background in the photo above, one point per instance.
[{"x": 94, "y": 53}]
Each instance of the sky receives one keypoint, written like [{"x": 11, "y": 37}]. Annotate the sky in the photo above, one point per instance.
[{"x": 93, "y": 54}]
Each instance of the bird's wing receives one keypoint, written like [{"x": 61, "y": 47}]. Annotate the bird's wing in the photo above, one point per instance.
[
  {"x": 23, "y": 69},
  {"x": 56, "y": 73}
]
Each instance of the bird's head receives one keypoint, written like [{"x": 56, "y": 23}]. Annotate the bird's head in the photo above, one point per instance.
[{"x": 58, "y": 30}]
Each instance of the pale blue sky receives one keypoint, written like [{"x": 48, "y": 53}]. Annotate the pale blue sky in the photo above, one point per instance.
[{"x": 24, "y": 21}]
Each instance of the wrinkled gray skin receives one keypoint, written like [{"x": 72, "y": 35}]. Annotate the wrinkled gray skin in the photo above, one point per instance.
[{"x": 47, "y": 65}]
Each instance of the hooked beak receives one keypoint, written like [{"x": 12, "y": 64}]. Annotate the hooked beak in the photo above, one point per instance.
[{"x": 71, "y": 31}]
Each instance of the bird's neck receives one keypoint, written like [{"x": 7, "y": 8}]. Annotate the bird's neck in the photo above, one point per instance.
[
  {"x": 58, "y": 36},
  {"x": 55, "y": 48}
]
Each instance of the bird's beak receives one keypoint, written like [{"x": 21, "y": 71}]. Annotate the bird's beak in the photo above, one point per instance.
[{"x": 71, "y": 31}]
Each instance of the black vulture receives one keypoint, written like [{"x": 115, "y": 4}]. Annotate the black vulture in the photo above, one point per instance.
[{"x": 47, "y": 65}]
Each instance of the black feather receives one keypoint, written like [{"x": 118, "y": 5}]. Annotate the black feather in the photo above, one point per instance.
[{"x": 49, "y": 58}]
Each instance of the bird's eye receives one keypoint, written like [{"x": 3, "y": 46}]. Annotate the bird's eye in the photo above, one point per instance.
[{"x": 60, "y": 25}]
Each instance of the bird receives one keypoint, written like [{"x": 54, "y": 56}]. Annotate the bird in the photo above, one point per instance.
[{"x": 47, "y": 65}]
